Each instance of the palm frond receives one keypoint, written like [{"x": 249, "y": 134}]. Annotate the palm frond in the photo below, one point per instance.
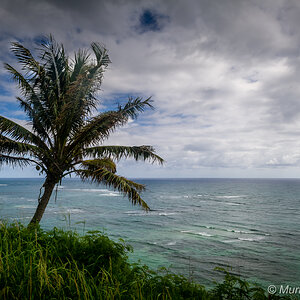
[
  {"x": 118, "y": 152},
  {"x": 19, "y": 133},
  {"x": 96, "y": 164},
  {"x": 38, "y": 116},
  {"x": 101, "y": 54},
  {"x": 135, "y": 106},
  {"x": 79, "y": 99},
  {"x": 31, "y": 104},
  {"x": 125, "y": 186},
  {"x": 9, "y": 146},
  {"x": 57, "y": 68},
  {"x": 14, "y": 161},
  {"x": 25, "y": 58},
  {"x": 79, "y": 63},
  {"x": 99, "y": 128},
  {"x": 23, "y": 82}
]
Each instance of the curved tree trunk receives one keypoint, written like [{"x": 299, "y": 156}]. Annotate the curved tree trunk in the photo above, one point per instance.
[{"x": 43, "y": 201}]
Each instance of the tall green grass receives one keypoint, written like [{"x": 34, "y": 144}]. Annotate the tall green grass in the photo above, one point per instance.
[{"x": 57, "y": 264}]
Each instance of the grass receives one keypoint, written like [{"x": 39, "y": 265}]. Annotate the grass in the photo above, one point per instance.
[{"x": 57, "y": 264}]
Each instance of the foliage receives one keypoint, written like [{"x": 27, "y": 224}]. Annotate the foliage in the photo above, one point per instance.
[{"x": 58, "y": 264}]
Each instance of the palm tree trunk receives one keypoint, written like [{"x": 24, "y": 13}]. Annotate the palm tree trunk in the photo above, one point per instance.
[{"x": 43, "y": 201}]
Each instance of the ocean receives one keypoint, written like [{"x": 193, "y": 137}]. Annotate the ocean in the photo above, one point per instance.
[{"x": 250, "y": 226}]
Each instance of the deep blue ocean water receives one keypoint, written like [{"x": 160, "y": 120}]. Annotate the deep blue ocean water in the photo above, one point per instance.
[{"x": 251, "y": 225}]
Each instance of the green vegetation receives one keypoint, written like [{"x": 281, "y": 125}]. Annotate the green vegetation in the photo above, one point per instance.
[
  {"x": 57, "y": 264},
  {"x": 58, "y": 94}
]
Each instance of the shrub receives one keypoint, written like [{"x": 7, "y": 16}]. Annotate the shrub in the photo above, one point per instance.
[{"x": 35, "y": 264}]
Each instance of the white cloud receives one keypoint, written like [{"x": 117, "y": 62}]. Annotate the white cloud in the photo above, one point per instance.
[{"x": 223, "y": 74}]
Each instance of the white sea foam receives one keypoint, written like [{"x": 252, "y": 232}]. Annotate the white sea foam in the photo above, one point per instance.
[
  {"x": 209, "y": 227},
  {"x": 166, "y": 214},
  {"x": 64, "y": 210},
  {"x": 171, "y": 243},
  {"x": 231, "y": 241},
  {"x": 232, "y": 203},
  {"x": 246, "y": 239},
  {"x": 111, "y": 194},
  {"x": 24, "y": 206},
  {"x": 196, "y": 233},
  {"x": 239, "y": 231},
  {"x": 230, "y": 197},
  {"x": 248, "y": 232},
  {"x": 133, "y": 212},
  {"x": 171, "y": 196},
  {"x": 204, "y": 233},
  {"x": 254, "y": 239},
  {"x": 90, "y": 190},
  {"x": 102, "y": 192},
  {"x": 74, "y": 210}
]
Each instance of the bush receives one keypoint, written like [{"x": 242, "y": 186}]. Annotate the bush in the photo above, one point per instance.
[{"x": 35, "y": 264}]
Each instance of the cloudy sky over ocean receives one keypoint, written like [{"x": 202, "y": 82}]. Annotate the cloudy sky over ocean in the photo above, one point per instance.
[{"x": 224, "y": 76}]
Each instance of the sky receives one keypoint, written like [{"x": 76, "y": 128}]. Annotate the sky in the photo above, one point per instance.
[{"x": 223, "y": 74}]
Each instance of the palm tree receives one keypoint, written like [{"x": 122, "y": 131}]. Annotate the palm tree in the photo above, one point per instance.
[{"x": 65, "y": 137}]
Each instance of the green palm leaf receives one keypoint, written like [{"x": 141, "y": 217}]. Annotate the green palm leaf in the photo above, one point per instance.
[
  {"x": 18, "y": 132},
  {"x": 10, "y": 146},
  {"x": 96, "y": 164},
  {"x": 127, "y": 187},
  {"x": 14, "y": 161},
  {"x": 118, "y": 152}
]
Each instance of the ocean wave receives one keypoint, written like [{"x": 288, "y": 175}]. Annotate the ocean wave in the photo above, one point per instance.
[
  {"x": 166, "y": 214},
  {"x": 251, "y": 231},
  {"x": 134, "y": 212},
  {"x": 204, "y": 234},
  {"x": 3, "y": 184},
  {"x": 232, "y": 203},
  {"x": 196, "y": 233},
  {"x": 231, "y": 241},
  {"x": 230, "y": 196},
  {"x": 103, "y": 192},
  {"x": 149, "y": 213},
  {"x": 210, "y": 227},
  {"x": 111, "y": 194},
  {"x": 254, "y": 239},
  {"x": 239, "y": 231},
  {"x": 171, "y": 243},
  {"x": 74, "y": 210},
  {"x": 89, "y": 190},
  {"x": 245, "y": 239},
  {"x": 171, "y": 196},
  {"x": 25, "y": 206},
  {"x": 64, "y": 210}
]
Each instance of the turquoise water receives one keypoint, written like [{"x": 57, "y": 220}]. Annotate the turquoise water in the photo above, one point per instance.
[{"x": 252, "y": 225}]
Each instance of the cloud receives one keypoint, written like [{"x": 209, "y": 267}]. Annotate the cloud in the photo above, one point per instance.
[{"x": 223, "y": 74}]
